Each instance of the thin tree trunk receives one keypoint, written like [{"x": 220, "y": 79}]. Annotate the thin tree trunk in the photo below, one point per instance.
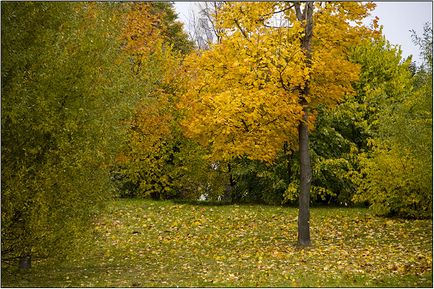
[
  {"x": 305, "y": 180},
  {"x": 233, "y": 194},
  {"x": 303, "y": 134},
  {"x": 25, "y": 262},
  {"x": 288, "y": 154}
]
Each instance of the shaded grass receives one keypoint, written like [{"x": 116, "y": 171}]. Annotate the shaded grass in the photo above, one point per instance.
[{"x": 143, "y": 243}]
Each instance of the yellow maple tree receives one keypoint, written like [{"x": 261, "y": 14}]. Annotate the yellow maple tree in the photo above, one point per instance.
[
  {"x": 244, "y": 93},
  {"x": 276, "y": 61},
  {"x": 152, "y": 133}
]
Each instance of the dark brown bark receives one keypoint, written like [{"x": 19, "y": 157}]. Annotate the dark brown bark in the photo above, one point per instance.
[
  {"x": 305, "y": 180},
  {"x": 303, "y": 135}
]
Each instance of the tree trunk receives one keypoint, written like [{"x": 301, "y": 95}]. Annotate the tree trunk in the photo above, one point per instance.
[
  {"x": 305, "y": 180},
  {"x": 25, "y": 262},
  {"x": 303, "y": 133},
  {"x": 235, "y": 198},
  {"x": 288, "y": 154}
]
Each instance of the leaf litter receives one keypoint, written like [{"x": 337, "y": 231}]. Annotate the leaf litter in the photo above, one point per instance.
[{"x": 143, "y": 243}]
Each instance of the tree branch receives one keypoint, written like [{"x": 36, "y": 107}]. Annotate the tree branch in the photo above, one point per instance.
[
  {"x": 271, "y": 121},
  {"x": 246, "y": 127},
  {"x": 298, "y": 11},
  {"x": 241, "y": 30},
  {"x": 276, "y": 12},
  {"x": 274, "y": 27}
]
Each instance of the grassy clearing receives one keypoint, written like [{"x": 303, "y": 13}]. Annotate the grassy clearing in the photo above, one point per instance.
[{"x": 141, "y": 243}]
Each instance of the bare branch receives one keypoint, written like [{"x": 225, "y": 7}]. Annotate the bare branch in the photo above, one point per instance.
[{"x": 277, "y": 12}]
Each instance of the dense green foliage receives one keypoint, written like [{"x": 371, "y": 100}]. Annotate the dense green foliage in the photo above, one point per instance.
[
  {"x": 343, "y": 132},
  {"x": 396, "y": 177},
  {"x": 172, "y": 29},
  {"x": 144, "y": 243},
  {"x": 64, "y": 94}
]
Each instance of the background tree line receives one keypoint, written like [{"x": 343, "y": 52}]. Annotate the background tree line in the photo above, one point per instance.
[
  {"x": 354, "y": 145},
  {"x": 94, "y": 107}
]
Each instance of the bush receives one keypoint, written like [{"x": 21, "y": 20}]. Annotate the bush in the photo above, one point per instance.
[{"x": 389, "y": 182}]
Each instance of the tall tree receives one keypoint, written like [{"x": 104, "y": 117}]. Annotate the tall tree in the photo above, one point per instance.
[
  {"x": 303, "y": 133},
  {"x": 252, "y": 92},
  {"x": 157, "y": 161},
  {"x": 64, "y": 95},
  {"x": 396, "y": 176}
]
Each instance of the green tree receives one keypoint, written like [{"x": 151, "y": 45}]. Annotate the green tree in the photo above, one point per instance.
[
  {"x": 172, "y": 28},
  {"x": 64, "y": 95},
  {"x": 396, "y": 179}
]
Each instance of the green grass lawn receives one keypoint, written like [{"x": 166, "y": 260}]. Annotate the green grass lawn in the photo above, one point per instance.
[{"x": 142, "y": 243}]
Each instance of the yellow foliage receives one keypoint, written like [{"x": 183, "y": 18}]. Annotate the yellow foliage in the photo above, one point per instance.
[
  {"x": 244, "y": 94},
  {"x": 141, "y": 30}
]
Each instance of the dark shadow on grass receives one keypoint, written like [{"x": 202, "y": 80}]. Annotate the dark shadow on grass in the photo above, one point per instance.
[
  {"x": 229, "y": 203},
  {"x": 202, "y": 203},
  {"x": 241, "y": 203},
  {"x": 196, "y": 202}
]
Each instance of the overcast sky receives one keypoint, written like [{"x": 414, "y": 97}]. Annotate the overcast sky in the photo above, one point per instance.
[{"x": 397, "y": 18}]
